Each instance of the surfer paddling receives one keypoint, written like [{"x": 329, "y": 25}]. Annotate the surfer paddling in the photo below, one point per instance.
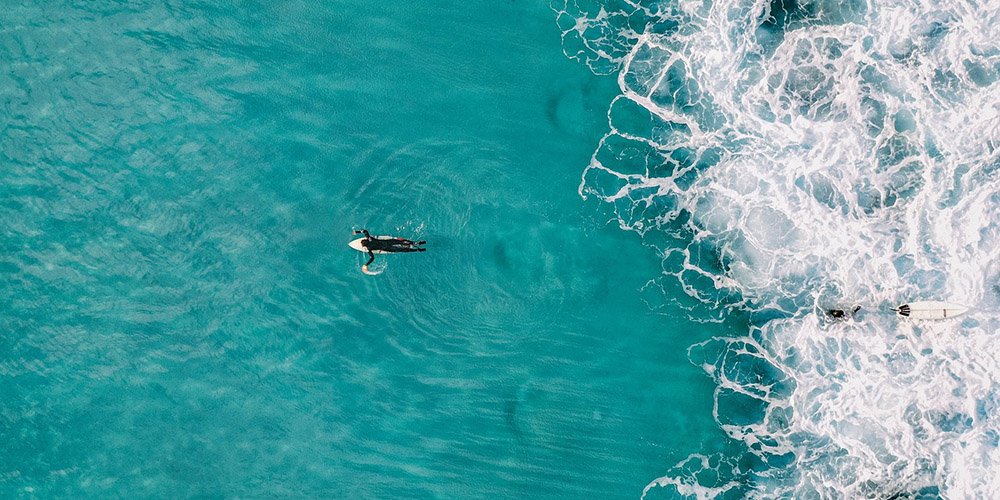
[{"x": 386, "y": 244}]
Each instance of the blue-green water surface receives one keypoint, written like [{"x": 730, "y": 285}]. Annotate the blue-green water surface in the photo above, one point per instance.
[{"x": 181, "y": 316}]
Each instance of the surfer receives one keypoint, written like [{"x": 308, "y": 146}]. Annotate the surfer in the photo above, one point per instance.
[
  {"x": 386, "y": 245},
  {"x": 840, "y": 313}
]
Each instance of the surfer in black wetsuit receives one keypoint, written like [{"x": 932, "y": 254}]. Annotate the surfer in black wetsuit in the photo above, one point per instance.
[
  {"x": 387, "y": 245},
  {"x": 840, "y": 313}
]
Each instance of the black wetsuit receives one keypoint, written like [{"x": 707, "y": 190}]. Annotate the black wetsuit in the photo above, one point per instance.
[
  {"x": 388, "y": 245},
  {"x": 840, "y": 313}
]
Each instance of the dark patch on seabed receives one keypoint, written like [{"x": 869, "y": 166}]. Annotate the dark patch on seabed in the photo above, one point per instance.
[
  {"x": 500, "y": 255},
  {"x": 510, "y": 417}
]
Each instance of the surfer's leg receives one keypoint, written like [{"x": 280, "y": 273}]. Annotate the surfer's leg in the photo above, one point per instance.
[{"x": 405, "y": 248}]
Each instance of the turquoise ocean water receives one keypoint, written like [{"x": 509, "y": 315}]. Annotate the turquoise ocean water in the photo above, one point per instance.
[{"x": 181, "y": 316}]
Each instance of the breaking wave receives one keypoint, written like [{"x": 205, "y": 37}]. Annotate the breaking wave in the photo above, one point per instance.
[{"x": 786, "y": 157}]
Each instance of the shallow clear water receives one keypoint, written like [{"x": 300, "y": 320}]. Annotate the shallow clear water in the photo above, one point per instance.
[{"x": 181, "y": 315}]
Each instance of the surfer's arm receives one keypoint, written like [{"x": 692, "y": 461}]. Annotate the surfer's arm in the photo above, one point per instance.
[
  {"x": 371, "y": 258},
  {"x": 364, "y": 232}
]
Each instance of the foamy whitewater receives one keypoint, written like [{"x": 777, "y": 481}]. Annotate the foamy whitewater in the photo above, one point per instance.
[{"x": 790, "y": 157}]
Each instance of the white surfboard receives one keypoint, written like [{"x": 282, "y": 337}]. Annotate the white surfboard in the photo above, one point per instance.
[
  {"x": 356, "y": 244},
  {"x": 931, "y": 309}
]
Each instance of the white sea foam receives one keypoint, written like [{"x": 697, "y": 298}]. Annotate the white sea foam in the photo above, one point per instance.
[{"x": 833, "y": 154}]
